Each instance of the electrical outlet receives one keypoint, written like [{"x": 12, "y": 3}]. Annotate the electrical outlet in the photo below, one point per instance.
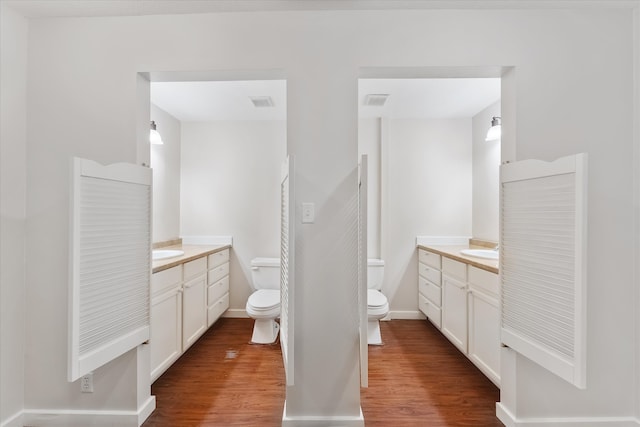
[{"x": 86, "y": 383}]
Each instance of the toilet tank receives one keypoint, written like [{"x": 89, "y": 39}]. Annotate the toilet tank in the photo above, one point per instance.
[
  {"x": 375, "y": 273},
  {"x": 265, "y": 273}
]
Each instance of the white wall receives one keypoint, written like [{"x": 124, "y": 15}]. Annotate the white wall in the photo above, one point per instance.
[
  {"x": 13, "y": 136},
  {"x": 231, "y": 187},
  {"x": 486, "y": 177},
  {"x": 70, "y": 94},
  {"x": 561, "y": 126},
  {"x": 81, "y": 76},
  {"x": 165, "y": 161},
  {"x": 426, "y": 176}
]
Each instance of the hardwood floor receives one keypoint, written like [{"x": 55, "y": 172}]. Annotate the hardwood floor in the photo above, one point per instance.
[{"x": 417, "y": 378}]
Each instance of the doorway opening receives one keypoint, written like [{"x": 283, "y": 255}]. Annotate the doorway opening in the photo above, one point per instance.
[{"x": 217, "y": 173}]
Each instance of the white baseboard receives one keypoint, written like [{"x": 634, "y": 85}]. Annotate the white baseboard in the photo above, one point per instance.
[
  {"x": 236, "y": 313},
  {"x": 321, "y": 421},
  {"x": 146, "y": 410},
  {"x": 16, "y": 420},
  {"x": 207, "y": 240},
  {"x": 406, "y": 315},
  {"x": 509, "y": 420},
  {"x": 88, "y": 418}
]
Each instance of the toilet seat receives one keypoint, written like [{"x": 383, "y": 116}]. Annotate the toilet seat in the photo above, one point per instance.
[
  {"x": 375, "y": 298},
  {"x": 377, "y": 305},
  {"x": 264, "y": 299},
  {"x": 264, "y": 304}
]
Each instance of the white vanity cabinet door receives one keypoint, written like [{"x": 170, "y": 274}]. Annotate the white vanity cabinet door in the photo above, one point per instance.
[
  {"x": 484, "y": 322},
  {"x": 484, "y": 334},
  {"x": 166, "y": 331},
  {"x": 454, "y": 311},
  {"x": 194, "y": 303},
  {"x": 166, "y": 320}
]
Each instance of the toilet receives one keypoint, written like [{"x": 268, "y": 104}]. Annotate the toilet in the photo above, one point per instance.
[
  {"x": 377, "y": 304},
  {"x": 263, "y": 304}
]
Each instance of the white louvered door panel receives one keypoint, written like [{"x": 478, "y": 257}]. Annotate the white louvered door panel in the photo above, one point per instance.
[
  {"x": 110, "y": 263},
  {"x": 362, "y": 272},
  {"x": 287, "y": 271},
  {"x": 542, "y": 263}
]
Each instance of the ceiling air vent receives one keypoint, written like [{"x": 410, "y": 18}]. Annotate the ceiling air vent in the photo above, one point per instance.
[
  {"x": 376, "y": 99},
  {"x": 261, "y": 101}
]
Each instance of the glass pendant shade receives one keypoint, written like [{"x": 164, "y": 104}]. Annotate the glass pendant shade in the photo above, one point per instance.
[
  {"x": 154, "y": 135},
  {"x": 495, "y": 131}
]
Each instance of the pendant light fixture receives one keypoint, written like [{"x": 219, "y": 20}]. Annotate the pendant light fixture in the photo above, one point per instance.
[
  {"x": 154, "y": 135},
  {"x": 495, "y": 131}
]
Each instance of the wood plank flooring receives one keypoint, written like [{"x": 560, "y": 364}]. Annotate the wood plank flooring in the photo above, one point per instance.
[{"x": 417, "y": 378}]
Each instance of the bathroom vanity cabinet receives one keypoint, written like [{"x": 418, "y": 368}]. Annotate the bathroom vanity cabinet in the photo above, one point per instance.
[
  {"x": 461, "y": 300},
  {"x": 186, "y": 300}
]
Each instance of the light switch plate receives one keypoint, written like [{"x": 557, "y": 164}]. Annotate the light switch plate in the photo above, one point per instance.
[{"x": 308, "y": 213}]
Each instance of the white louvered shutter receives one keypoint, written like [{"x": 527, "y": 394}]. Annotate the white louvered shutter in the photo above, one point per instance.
[
  {"x": 362, "y": 271},
  {"x": 287, "y": 262},
  {"x": 110, "y": 263},
  {"x": 542, "y": 263}
]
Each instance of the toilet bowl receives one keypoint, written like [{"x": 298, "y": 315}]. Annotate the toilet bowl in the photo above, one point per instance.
[
  {"x": 263, "y": 304},
  {"x": 377, "y": 303}
]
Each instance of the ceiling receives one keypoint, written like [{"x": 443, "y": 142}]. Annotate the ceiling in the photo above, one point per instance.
[
  {"x": 220, "y": 100},
  {"x": 87, "y": 8},
  {"x": 428, "y": 98},
  {"x": 408, "y": 98}
]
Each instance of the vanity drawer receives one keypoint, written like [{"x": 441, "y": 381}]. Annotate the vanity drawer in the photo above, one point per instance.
[
  {"x": 484, "y": 280},
  {"x": 430, "y": 290},
  {"x": 429, "y": 273},
  {"x": 217, "y": 290},
  {"x": 432, "y": 312},
  {"x": 195, "y": 267},
  {"x": 453, "y": 268},
  {"x": 216, "y": 310},
  {"x": 429, "y": 258},
  {"x": 165, "y": 280},
  {"x": 218, "y": 258},
  {"x": 218, "y": 273}
]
